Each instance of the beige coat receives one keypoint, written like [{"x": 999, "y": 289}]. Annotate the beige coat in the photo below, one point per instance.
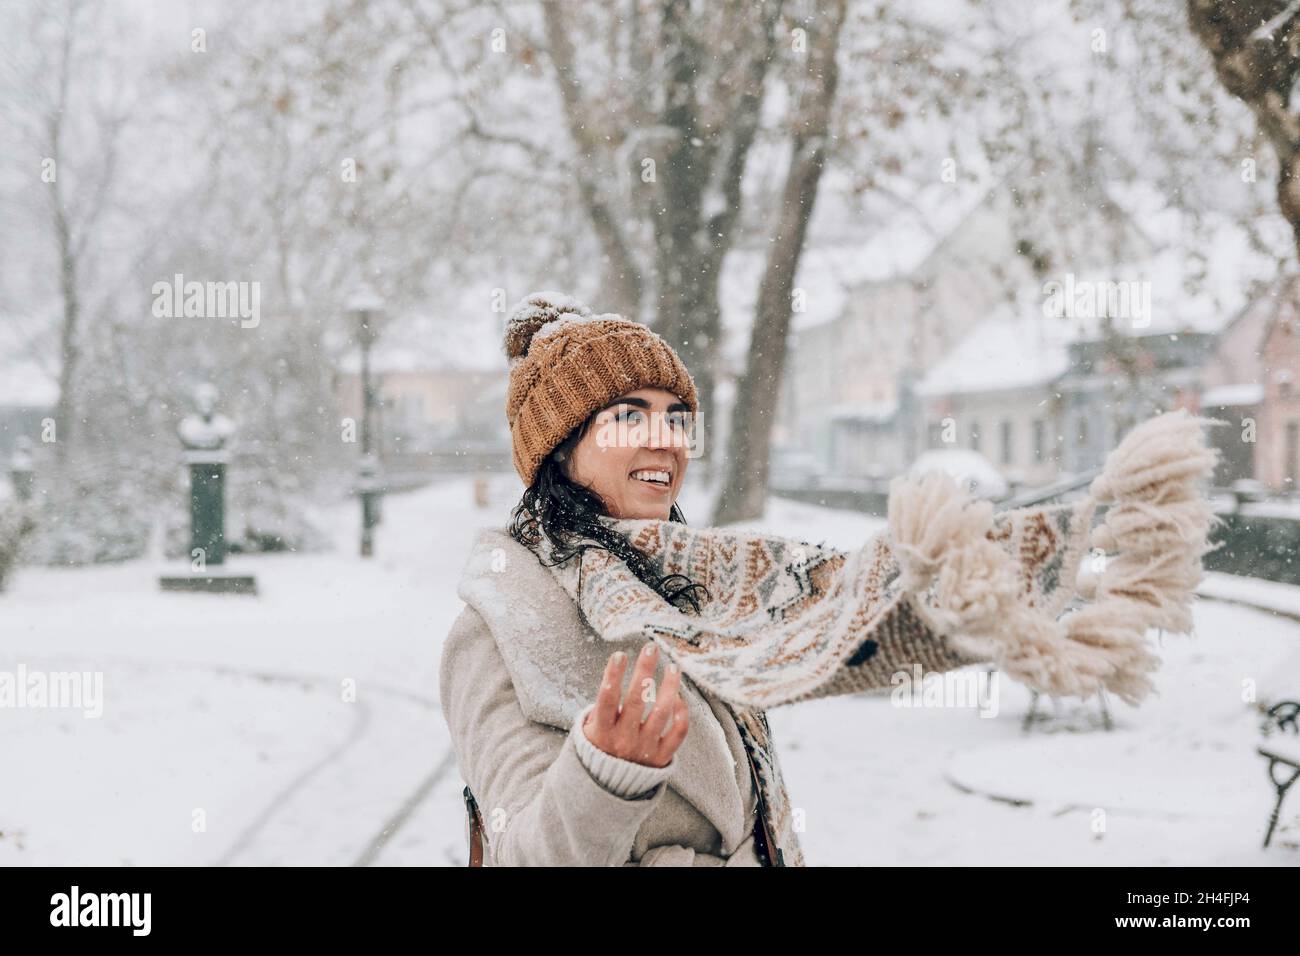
[{"x": 517, "y": 667}]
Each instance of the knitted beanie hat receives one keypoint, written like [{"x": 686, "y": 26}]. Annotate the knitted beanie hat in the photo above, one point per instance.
[{"x": 566, "y": 362}]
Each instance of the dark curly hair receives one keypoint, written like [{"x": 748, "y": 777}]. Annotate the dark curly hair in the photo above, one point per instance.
[{"x": 565, "y": 512}]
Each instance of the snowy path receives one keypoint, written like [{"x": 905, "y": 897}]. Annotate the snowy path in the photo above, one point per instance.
[{"x": 233, "y": 708}]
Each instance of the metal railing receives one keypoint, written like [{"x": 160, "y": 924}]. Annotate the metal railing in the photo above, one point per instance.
[{"x": 1038, "y": 496}]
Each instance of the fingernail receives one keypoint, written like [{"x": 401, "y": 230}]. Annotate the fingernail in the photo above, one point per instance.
[
  {"x": 672, "y": 668},
  {"x": 619, "y": 657},
  {"x": 650, "y": 650}
]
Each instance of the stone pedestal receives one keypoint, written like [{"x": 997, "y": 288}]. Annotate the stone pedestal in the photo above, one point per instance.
[
  {"x": 208, "y": 510},
  {"x": 204, "y": 436},
  {"x": 219, "y": 583}
]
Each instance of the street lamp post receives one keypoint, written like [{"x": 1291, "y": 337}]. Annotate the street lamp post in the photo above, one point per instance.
[
  {"x": 367, "y": 309},
  {"x": 20, "y": 469}
]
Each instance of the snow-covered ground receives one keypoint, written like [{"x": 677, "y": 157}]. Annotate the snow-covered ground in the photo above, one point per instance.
[{"x": 230, "y": 731}]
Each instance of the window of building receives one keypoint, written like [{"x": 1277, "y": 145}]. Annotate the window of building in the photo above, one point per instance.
[
  {"x": 1007, "y": 449},
  {"x": 1040, "y": 439},
  {"x": 975, "y": 436},
  {"x": 410, "y": 410}
]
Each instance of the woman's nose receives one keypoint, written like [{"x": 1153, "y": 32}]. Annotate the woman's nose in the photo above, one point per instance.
[{"x": 661, "y": 433}]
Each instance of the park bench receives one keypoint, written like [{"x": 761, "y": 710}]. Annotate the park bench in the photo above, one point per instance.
[{"x": 1282, "y": 750}]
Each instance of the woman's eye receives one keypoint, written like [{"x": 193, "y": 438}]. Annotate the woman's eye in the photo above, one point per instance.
[
  {"x": 626, "y": 414},
  {"x": 678, "y": 420}
]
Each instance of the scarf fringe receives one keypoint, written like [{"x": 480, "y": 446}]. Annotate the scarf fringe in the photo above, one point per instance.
[{"x": 1148, "y": 549}]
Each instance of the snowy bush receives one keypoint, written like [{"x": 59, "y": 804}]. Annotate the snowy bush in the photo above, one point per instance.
[
  {"x": 15, "y": 524},
  {"x": 89, "y": 513}
]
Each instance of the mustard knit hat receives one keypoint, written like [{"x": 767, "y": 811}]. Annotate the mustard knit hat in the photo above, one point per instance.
[{"x": 566, "y": 362}]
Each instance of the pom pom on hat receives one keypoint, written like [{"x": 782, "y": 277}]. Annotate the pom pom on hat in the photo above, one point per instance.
[{"x": 534, "y": 311}]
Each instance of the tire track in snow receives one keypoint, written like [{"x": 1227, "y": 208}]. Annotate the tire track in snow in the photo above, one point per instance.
[
  {"x": 362, "y": 719},
  {"x": 248, "y": 837},
  {"x": 405, "y": 812}
]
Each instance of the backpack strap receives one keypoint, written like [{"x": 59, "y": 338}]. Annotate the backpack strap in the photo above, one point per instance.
[
  {"x": 769, "y": 852},
  {"x": 477, "y": 835}
]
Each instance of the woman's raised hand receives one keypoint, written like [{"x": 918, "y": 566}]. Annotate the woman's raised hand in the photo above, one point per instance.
[{"x": 617, "y": 728}]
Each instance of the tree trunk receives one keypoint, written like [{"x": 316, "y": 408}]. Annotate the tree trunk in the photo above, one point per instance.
[
  {"x": 66, "y": 409},
  {"x": 699, "y": 179},
  {"x": 621, "y": 282},
  {"x": 744, "y": 489},
  {"x": 701, "y": 183},
  {"x": 1255, "y": 46}
]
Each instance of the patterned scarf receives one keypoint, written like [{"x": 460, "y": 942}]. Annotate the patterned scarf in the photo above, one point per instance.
[{"x": 786, "y": 620}]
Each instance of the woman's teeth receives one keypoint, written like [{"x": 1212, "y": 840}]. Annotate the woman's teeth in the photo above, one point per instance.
[{"x": 654, "y": 477}]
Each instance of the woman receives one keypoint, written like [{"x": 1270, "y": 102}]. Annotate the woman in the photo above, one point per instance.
[{"x": 572, "y": 760}]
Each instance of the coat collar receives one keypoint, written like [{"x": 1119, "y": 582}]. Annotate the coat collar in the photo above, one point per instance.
[{"x": 556, "y": 661}]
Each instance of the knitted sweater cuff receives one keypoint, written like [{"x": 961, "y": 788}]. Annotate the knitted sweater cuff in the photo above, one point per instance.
[{"x": 623, "y": 778}]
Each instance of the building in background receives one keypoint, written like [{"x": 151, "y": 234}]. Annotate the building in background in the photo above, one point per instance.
[
  {"x": 864, "y": 389},
  {"x": 956, "y": 348},
  {"x": 440, "y": 396},
  {"x": 1250, "y": 384},
  {"x": 28, "y": 396},
  {"x": 1117, "y": 380},
  {"x": 998, "y": 393},
  {"x": 1277, "y": 449},
  {"x": 1233, "y": 391},
  {"x": 424, "y": 407}
]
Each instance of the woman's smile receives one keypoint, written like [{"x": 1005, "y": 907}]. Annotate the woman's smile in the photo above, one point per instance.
[{"x": 653, "y": 481}]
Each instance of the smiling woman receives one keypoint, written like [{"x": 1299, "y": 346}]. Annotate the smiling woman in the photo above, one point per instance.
[
  {"x": 600, "y": 410},
  {"x": 586, "y": 448}
]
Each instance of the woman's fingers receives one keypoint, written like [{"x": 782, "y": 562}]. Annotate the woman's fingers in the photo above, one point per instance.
[
  {"x": 605, "y": 713},
  {"x": 617, "y": 728},
  {"x": 671, "y": 685},
  {"x": 671, "y": 740},
  {"x": 642, "y": 689},
  {"x": 664, "y": 703}
]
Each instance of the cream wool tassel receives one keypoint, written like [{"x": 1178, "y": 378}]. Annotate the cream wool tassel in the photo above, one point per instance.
[
  {"x": 965, "y": 585},
  {"x": 928, "y": 516}
]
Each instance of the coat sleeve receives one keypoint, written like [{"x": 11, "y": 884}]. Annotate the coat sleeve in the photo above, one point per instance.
[{"x": 540, "y": 805}]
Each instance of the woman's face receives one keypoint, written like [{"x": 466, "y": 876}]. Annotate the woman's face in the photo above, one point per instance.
[{"x": 634, "y": 453}]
